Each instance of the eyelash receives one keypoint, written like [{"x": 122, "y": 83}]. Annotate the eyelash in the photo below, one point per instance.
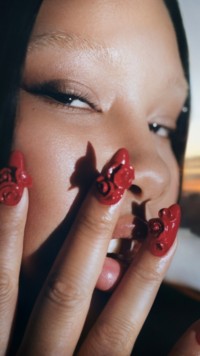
[
  {"x": 166, "y": 132},
  {"x": 57, "y": 97}
]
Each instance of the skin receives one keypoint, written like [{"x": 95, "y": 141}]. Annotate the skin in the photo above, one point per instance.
[
  {"x": 134, "y": 78},
  {"x": 127, "y": 101}
]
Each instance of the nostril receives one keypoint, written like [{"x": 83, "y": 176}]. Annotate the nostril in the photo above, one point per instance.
[
  {"x": 135, "y": 189},
  {"x": 139, "y": 210}
]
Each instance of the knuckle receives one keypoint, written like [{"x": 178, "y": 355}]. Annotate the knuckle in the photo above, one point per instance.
[
  {"x": 146, "y": 276},
  {"x": 8, "y": 287},
  {"x": 95, "y": 223},
  {"x": 5, "y": 228},
  {"x": 113, "y": 338},
  {"x": 9, "y": 232},
  {"x": 65, "y": 294},
  {"x": 9, "y": 223}
]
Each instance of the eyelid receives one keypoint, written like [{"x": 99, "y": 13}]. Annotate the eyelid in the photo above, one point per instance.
[
  {"x": 63, "y": 88},
  {"x": 154, "y": 127}
]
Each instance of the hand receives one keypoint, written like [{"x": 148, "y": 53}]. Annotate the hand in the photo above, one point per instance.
[{"x": 59, "y": 315}]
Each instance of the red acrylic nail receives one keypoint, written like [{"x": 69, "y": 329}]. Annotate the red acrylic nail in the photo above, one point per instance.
[
  {"x": 13, "y": 180},
  {"x": 116, "y": 176},
  {"x": 163, "y": 230}
]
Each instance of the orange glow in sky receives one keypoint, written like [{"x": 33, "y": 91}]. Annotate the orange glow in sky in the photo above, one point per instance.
[
  {"x": 190, "y": 12},
  {"x": 191, "y": 177},
  {"x": 192, "y": 186}
]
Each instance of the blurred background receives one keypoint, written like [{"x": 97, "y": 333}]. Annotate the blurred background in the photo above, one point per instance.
[{"x": 191, "y": 184}]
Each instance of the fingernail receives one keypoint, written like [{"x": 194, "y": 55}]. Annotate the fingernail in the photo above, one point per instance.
[
  {"x": 116, "y": 176},
  {"x": 162, "y": 230},
  {"x": 13, "y": 180}
]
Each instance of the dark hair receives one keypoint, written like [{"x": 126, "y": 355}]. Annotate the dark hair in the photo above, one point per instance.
[
  {"x": 180, "y": 138},
  {"x": 17, "y": 18}
]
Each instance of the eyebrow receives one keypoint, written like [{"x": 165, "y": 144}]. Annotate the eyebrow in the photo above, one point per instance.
[{"x": 72, "y": 42}]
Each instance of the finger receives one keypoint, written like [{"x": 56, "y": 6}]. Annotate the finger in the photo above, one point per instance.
[
  {"x": 189, "y": 343},
  {"x": 63, "y": 305},
  {"x": 118, "y": 326},
  {"x": 61, "y": 311},
  {"x": 12, "y": 225}
]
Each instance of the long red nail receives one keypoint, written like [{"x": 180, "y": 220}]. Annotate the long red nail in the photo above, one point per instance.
[
  {"x": 13, "y": 180},
  {"x": 116, "y": 176},
  {"x": 163, "y": 230}
]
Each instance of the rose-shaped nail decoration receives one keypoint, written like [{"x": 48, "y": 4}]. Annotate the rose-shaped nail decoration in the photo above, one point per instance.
[
  {"x": 13, "y": 180},
  {"x": 162, "y": 230},
  {"x": 116, "y": 176}
]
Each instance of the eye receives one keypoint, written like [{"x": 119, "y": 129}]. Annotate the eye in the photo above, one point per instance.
[
  {"x": 161, "y": 130},
  {"x": 68, "y": 99},
  {"x": 56, "y": 95}
]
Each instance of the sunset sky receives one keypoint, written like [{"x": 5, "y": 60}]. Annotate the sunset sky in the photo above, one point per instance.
[
  {"x": 191, "y": 12},
  {"x": 191, "y": 181}
]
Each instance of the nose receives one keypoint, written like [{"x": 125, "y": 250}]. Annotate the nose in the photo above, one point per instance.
[
  {"x": 152, "y": 176},
  {"x": 152, "y": 165},
  {"x": 156, "y": 175}
]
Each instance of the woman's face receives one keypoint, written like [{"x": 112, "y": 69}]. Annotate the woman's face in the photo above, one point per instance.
[{"x": 98, "y": 76}]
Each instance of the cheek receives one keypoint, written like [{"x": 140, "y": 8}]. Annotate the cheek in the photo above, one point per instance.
[
  {"x": 169, "y": 170},
  {"x": 175, "y": 180},
  {"x": 172, "y": 189},
  {"x": 50, "y": 160}
]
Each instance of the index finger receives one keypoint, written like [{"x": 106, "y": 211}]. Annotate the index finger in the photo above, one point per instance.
[
  {"x": 61, "y": 310},
  {"x": 13, "y": 215}
]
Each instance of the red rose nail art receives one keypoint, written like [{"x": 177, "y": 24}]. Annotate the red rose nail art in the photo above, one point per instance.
[
  {"x": 162, "y": 230},
  {"x": 116, "y": 176},
  {"x": 13, "y": 180}
]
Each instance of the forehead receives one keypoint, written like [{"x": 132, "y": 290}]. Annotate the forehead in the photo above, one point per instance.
[
  {"x": 108, "y": 24},
  {"x": 103, "y": 17},
  {"x": 122, "y": 32}
]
